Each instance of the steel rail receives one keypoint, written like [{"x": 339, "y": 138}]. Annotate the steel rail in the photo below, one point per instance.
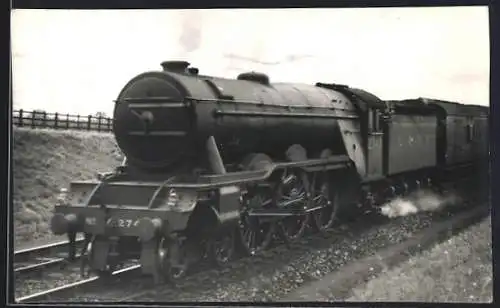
[
  {"x": 41, "y": 257},
  {"x": 65, "y": 292},
  {"x": 43, "y": 265},
  {"x": 45, "y": 248}
]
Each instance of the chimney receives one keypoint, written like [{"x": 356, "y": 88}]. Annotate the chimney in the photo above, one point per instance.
[{"x": 175, "y": 66}]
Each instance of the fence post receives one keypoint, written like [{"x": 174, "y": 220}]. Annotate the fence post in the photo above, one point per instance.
[
  {"x": 78, "y": 121},
  {"x": 110, "y": 125},
  {"x": 99, "y": 123},
  {"x": 45, "y": 119},
  {"x": 89, "y": 122},
  {"x": 67, "y": 121},
  {"x": 21, "y": 117},
  {"x": 56, "y": 116},
  {"x": 33, "y": 113}
]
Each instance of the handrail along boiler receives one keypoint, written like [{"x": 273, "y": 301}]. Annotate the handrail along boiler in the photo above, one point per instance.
[{"x": 217, "y": 166}]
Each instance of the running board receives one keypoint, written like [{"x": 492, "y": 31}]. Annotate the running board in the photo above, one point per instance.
[{"x": 209, "y": 182}]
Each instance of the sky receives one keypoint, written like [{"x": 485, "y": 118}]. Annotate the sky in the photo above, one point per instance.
[{"x": 77, "y": 61}]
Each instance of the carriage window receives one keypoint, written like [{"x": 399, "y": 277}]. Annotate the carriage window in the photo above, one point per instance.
[
  {"x": 374, "y": 120},
  {"x": 470, "y": 131},
  {"x": 370, "y": 120}
]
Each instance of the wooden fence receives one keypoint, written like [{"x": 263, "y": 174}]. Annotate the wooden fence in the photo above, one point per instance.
[{"x": 39, "y": 119}]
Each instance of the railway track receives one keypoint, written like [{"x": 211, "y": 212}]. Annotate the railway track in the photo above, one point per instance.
[
  {"x": 127, "y": 284},
  {"x": 39, "y": 258},
  {"x": 70, "y": 290}
]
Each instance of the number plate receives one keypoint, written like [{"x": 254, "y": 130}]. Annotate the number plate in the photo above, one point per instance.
[{"x": 122, "y": 223}]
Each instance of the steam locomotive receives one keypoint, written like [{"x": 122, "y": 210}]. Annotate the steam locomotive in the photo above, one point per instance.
[{"x": 216, "y": 167}]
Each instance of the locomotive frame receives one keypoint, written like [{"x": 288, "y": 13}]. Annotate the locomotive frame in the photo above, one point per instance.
[{"x": 244, "y": 202}]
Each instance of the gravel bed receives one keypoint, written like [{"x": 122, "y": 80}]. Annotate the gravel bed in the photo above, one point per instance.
[{"x": 273, "y": 274}]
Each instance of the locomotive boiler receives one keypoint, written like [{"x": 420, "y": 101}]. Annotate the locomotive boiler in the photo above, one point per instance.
[
  {"x": 216, "y": 166},
  {"x": 164, "y": 119}
]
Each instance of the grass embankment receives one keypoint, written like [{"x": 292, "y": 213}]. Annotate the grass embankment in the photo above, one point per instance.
[
  {"x": 43, "y": 162},
  {"x": 458, "y": 270}
]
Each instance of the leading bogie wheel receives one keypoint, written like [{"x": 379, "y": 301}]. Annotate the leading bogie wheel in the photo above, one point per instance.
[
  {"x": 85, "y": 258},
  {"x": 167, "y": 252},
  {"x": 86, "y": 270}
]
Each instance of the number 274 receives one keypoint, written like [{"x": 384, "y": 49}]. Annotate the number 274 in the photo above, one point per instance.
[{"x": 125, "y": 223}]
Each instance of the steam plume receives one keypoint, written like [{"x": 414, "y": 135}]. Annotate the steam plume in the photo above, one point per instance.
[
  {"x": 191, "y": 33},
  {"x": 419, "y": 201}
]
